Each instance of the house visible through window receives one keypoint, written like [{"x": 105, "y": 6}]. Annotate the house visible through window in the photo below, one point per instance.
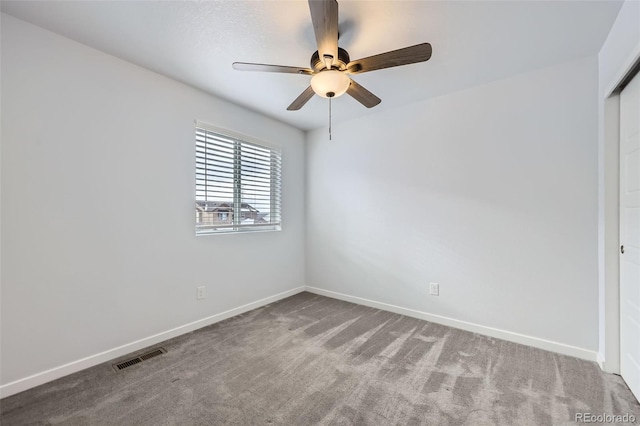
[{"x": 237, "y": 183}]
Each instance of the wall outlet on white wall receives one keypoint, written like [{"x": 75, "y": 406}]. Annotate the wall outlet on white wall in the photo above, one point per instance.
[
  {"x": 200, "y": 292},
  {"x": 434, "y": 289}
]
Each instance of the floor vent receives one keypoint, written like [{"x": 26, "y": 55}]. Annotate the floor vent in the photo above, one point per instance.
[
  {"x": 151, "y": 354},
  {"x": 133, "y": 361}
]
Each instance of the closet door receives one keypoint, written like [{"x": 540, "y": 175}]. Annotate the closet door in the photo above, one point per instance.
[{"x": 630, "y": 235}]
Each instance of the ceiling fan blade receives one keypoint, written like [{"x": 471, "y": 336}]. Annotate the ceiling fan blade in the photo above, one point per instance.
[
  {"x": 408, "y": 55},
  {"x": 362, "y": 95},
  {"x": 302, "y": 99},
  {"x": 324, "y": 15},
  {"x": 244, "y": 66}
]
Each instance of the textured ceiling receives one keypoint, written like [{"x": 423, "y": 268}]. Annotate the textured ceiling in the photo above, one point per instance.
[{"x": 474, "y": 42}]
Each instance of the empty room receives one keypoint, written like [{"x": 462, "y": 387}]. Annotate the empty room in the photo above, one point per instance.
[{"x": 320, "y": 212}]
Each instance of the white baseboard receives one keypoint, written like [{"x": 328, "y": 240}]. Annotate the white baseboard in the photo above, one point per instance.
[
  {"x": 23, "y": 384},
  {"x": 81, "y": 364},
  {"x": 536, "y": 342},
  {"x": 600, "y": 361}
]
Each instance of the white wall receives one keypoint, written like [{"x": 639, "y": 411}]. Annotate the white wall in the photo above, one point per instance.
[
  {"x": 491, "y": 192},
  {"x": 98, "y": 245},
  {"x": 618, "y": 54}
]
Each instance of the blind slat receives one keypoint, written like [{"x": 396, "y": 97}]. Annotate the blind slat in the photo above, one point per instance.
[{"x": 237, "y": 184}]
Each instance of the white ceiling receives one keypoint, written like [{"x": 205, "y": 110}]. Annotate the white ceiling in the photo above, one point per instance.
[{"x": 474, "y": 42}]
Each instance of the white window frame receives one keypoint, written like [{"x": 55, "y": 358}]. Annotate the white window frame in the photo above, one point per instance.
[{"x": 239, "y": 203}]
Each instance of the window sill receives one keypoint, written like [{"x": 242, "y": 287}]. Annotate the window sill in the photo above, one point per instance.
[{"x": 238, "y": 231}]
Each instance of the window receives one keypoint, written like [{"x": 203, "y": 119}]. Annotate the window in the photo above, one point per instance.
[{"x": 237, "y": 183}]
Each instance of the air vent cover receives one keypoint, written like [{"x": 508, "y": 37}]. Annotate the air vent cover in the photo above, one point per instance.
[{"x": 133, "y": 361}]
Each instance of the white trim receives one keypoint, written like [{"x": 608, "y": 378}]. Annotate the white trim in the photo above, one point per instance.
[
  {"x": 81, "y": 364},
  {"x": 611, "y": 311},
  {"x": 32, "y": 381},
  {"x": 536, "y": 342},
  {"x": 609, "y": 285},
  {"x": 624, "y": 70},
  {"x": 601, "y": 362}
]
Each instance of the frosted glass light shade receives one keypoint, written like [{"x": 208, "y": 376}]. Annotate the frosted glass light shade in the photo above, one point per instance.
[{"x": 330, "y": 81}]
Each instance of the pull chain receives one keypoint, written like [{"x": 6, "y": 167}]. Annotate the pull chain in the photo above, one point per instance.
[
  {"x": 329, "y": 118},
  {"x": 330, "y": 95}
]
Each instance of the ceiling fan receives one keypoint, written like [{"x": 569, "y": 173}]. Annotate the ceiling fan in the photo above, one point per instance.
[{"x": 331, "y": 65}]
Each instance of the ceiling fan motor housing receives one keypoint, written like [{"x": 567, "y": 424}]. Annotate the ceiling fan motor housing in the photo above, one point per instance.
[{"x": 317, "y": 64}]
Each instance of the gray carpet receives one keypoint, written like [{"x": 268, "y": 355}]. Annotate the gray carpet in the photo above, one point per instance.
[{"x": 313, "y": 360}]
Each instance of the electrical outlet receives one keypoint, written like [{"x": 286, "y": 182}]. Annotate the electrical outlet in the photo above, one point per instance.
[
  {"x": 200, "y": 292},
  {"x": 434, "y": 289}
]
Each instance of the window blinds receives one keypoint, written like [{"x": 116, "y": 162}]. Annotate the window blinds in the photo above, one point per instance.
[{"x": 237, "y": 184}]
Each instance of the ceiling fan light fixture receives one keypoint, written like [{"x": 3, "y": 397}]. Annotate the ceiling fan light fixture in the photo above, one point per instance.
[{"x": 330, "y": 83}]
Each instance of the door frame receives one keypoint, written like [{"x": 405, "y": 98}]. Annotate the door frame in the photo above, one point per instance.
[{"x": 609, "y": 221}]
